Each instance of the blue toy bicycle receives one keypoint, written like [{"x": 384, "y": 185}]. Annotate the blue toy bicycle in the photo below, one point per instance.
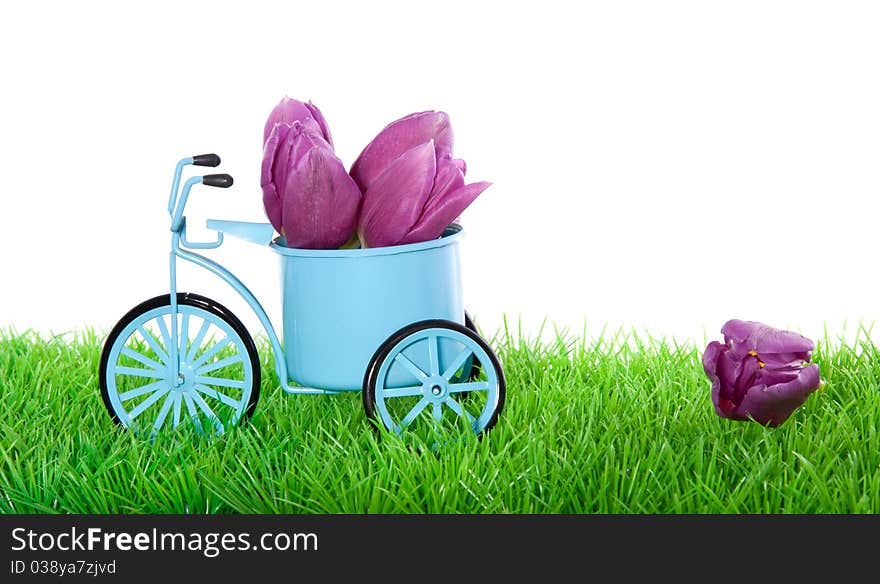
[{"x": 388, "y": 322}]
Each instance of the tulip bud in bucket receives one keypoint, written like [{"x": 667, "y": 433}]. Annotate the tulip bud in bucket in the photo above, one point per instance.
[
  {"x": 308, "y": 196},
  {"x": 413, "y": 187}
]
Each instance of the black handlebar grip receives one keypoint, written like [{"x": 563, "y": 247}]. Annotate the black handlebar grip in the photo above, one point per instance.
[
  {"x": 206, "y": 160},
  {"x": 217, "y": 180}
]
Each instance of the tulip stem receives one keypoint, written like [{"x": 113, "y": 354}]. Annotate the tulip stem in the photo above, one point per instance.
[{"x": 353, "y": 242}]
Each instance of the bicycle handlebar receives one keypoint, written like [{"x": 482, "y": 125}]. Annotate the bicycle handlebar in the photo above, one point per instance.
[
  {"x": 197, "y": 160},
  {"x": 224, "y": 181},
  {"x": 206, "y": 160},
  {"x": 177, "y": 200}
]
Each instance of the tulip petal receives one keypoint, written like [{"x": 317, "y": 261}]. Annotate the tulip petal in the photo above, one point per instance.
[
  {"x": 771, "y": 406},
  {"x": 300, "y": 139},
  {"x": 746, "y": 377},
  {"x": 764, "y": 339},
  {"x": 442, "y": 211},
  {"x": 293, "y": 142},
  {"x": 320, "y": 201},
  {"x": 715, "y": 361},
  {"x": 271, "y": 197},
  {"x": 723, "y": 381},
  {"x": 772, "y": 375},
  {"x": 449, "y": 177},
  {"x": 399, "y": 137},
  {"x": 395, "y": 201},
  {"x": 782, "y": 361},
  {"x": 322, "y": 122},
  {"x": 290, "y": 110},
  {"x": 710, "y": 358}
]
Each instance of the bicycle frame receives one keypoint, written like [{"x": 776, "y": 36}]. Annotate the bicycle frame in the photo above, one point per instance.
[{"x": 180, "y": 248}]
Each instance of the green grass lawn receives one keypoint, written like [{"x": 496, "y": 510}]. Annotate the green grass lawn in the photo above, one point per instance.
[{"x": 622, "y": 425}]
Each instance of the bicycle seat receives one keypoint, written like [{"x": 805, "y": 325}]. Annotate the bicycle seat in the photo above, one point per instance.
[{"x": 259, "y": 233}]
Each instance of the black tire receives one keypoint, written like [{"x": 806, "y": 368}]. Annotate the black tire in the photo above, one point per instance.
[
  {"x": 382, "y": 353},
  {"x": 476, "y": 367},
  {"x": 196, "y": 301}
]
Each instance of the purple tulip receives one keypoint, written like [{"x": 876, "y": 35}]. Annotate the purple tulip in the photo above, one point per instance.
[
  {"x": 413, "y": 188},
  {"x": 309, "y": 197},
  {"x": 290, "y": 110},
  {"x": 759, "y": 373},
  {"x": 398, "y": 137}
]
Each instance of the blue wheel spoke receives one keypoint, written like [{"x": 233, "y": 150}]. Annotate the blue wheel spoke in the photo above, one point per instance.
[
  {"x": 210, "y": 392},
  {"x": 231, "y": 383},
  {"x": 139, "y": 372},
  {"x": 193, "y": 414},
  {"x": 163, "y": 413},
  {"x": 208, "y": 411},
  {"x": 178, "y": 397},
  {"x": 412, "y": 367},
  {"x": 434, "y": 355},
  {"x": 402, "y": 391},
  {"x": 469, "y": 386},
  {"x": 438, "y": 411},
  {"x": 147, "y": 403},
  {"x": 457, "y": 363},
  {"x": 184, "y": 334},
  {"x": 139, "y": 391},
  {"x": 142, "y": 359},
  {"x": 154, "y": 343},
  {"x": 211, "y": 352},
  {"x": 415, "y": 411},
  {"x": 197, "y": 342},
  {"x": 219, "y": 364},
  {"x": 163, "y": 330},
  {"x": 456, "y": 407}
]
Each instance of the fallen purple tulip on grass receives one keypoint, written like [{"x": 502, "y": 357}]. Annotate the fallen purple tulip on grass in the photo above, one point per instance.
[
  {"x": 404, "y": 187},
  {"x": 760, "y": 373}
]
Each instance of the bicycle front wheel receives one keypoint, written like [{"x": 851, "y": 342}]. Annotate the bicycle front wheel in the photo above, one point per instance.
[{"x": 218, "y": 379}]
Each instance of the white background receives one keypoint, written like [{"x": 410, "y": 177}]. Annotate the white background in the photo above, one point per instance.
[{"x": 663, "y": 166}]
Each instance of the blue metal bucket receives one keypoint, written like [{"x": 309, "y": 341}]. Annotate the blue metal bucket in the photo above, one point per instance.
[{"x": 339, "y": 306}]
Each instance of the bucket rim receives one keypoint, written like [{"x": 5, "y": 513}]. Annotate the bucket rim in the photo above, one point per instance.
[{"x": 450, "y": 235}]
